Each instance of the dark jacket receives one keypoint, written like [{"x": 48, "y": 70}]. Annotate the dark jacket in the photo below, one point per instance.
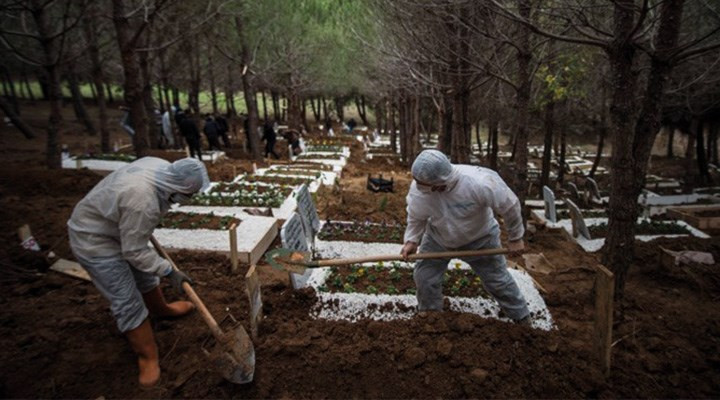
[
  {"x": 188, "y": 129},
  {"x": 269, "y": 133},
  {"x": 222, "y": 125},
  {"x": 210, "y": 128}
]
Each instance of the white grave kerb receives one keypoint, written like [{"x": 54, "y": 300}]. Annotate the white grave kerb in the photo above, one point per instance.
[
  {"x": 308, "y": 213},
  {"x": 549, "y": 198},
  {"x": 292, "y": 235}
]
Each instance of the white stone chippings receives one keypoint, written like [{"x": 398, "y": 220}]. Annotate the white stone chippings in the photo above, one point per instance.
[
  {"x": 282, "y": 212},
  {"x": 358, "y": 306},
  {"x": 250, "y": 231},
  {"x": 345, "y": 249},
  {"x": 95, "y": 165},
  {"x": 594, "y": 245}
]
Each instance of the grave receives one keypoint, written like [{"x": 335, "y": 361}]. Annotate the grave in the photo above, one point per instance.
[
  {"x": 577, "y": 220},
  {"x": 93, "y": 165},
  {"x": 308, "y": 215},
  {"x": 254, "y": 236},
  {"x": 701, "y": 217},
  {"x": 293, "y": 237},
  {"x": 592, "y": 193}
]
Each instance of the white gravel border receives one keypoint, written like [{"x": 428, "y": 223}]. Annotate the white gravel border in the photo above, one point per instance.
[
  {"x": 594, "y": 245},
  {"x": 359, "y": 306},
  {"x": 92, "y": 164},
  {"x": 283, "y": 212},
  {"x": 251, "y": 230}
]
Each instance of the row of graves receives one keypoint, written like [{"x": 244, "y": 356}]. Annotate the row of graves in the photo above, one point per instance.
[
  {"x": 581, "y": 214},
  {"x": 241, "y": 218},
  {"x": 104, "y": 163},
  {"x": 383, "y": 290}
]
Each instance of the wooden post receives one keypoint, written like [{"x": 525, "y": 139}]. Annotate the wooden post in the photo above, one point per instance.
[
  {"x": 233, "y": 248},
  {"x": 252, "y": 288},
  {"x": 234, "y": 172},
  {"x": 604, "y": 293}
]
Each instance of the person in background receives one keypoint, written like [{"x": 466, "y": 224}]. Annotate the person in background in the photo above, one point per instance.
[
  {"x": 109, "y": 232},
  {"x": 211, "y": 133},
  {"x": 167, "y": 129},
  {"x": 351, "y": 125},
  {"x": 126, "y": 121},
  {"x": 189, "y": 130},
  {"x": 293, "y": 138},
  {"x": 223, "y": 130},
  {"x": 270, "y": 138},
  {"x": 450, "y": 207}
]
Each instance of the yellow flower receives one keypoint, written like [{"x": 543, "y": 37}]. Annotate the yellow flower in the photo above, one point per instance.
[
  {"x": 360, "y": 271},
  {"x": 457, "y": 265}
]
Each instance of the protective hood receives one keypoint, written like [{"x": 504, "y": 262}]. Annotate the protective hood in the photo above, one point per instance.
[{"x": 187, "y": 176}]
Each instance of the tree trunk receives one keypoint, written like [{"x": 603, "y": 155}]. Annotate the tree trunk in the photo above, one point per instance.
[
  {"x": 24, "y": 128},
  {"x": 393, "y": 126},
  {"x": 460, "y": 147},
  {"x": 522, "y": 102},
  {"x": 315, "y": 110},
  {"x": 78, "y": 105},
  {"x": 671, "y": 139},
  {"x": 360, "y": 105},
  {"x": 690, "y": 176},
  {"x": 326, "y": 112},
  {"x": 402, "y": 118},
  {"x": 52, "y": 79},
  {"x": 633, "y": 139},
  {"x": 133, "y": 87},
  {"x": 603, "y": 131},
  {"x": 276, "y": 105},
  {"x": 11, "y": 91},
  {"x": 493, "y": 141},
  {"x": 445, "y": 138},
  {"x": 176, "y": 97},
  {"x": 108, "y": 90},
  {"x": 230, "y": 94},
  {"x": 28, "y": 88},
  {"x": 294, "y": 119},
  {"x": 563, "y": 152},
  {"x": 340, "y": 108},
  {"x": 248, "y": 91},
  {"x": 714, "y": 128},
  {"x": 547, "y": 142},
  {"x": 702, "y": 160}
]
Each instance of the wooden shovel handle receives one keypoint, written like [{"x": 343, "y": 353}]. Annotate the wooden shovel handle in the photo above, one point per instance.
[
  {"x": 421, "y": 256},
  {"x": 190, "y": 292}
]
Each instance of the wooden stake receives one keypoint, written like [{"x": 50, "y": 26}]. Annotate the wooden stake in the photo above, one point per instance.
[
  {"x": 234, "y": 172},
  {"x": 233, "y": 248},
  {"x": 252, "y": 288},
  {"x": 604, "y": 293}
]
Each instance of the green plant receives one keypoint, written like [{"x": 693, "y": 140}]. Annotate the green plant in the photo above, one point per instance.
[
  {"x": 372, "y": 278},
  {"x": 348, "y": 288},
  {"x": 383, "y": 203},
  {"x": 392, "y": 289},
  {"x": 322, "y": 289},
  {"x": 372, "y": 290},
  {"x": 411, "y": 291},
  {"x": 337, "y": 282}
]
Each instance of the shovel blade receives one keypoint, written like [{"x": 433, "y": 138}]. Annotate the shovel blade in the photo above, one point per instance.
[
  {"x": 288, "y": 260},
  {"x": 237, "y": 362}
]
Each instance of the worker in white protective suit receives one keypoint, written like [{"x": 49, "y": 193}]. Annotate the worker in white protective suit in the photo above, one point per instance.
[
  {"x": 450, "y": 207},
  {"x": 109, "y": 232}
]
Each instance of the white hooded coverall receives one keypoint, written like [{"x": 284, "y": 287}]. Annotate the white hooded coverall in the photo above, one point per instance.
[
  {"x": 461, "y": 218},
  {"x": 110, "y": 228}
]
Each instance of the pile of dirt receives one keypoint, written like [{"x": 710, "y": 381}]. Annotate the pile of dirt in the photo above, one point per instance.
[{"x": 351, "y": 201}]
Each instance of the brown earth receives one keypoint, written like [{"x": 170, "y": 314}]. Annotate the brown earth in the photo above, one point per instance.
[
  {"x": 58, "y": 340},
  {"x": 179, "y": 220}
]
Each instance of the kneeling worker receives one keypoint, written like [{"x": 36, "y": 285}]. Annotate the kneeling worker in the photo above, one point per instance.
[
  {"x": 450, "y": 207},
  {"x": 109, "y": 231}
]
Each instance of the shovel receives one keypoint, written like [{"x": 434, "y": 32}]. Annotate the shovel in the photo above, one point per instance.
[
  {"x": 299, "y": 261},
  {"x": 237, "y": 362}
]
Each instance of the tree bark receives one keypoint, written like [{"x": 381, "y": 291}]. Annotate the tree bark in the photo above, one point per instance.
[
  {"x": 702, "y": 160},
  {"x": 671, "y": 139},
  {"x": 547, "y": 142},
  {"x": 52, "y": 81},
  {"x": 79, "y": 105},
  {"x": 276, "y": 105},
  {"x": 11, "y": 93},
  {"x": 633, "y": 139},
  {"x": 563, "y": 153},
  {"x": 493, "y": 141},
  {"x": 28, "y": 88},
  {"x": 24, "y": 128},
  {"x": 522, "y": 103},
  {"x": 393, "y": 126},
  {"x": 248, "y": 91},
  {"x": 133, "y": 87}
]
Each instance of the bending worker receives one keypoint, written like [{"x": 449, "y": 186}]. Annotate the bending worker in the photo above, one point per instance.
[
  {"x": 450, "y": 207},
  {"x": 109, "y": 231}
]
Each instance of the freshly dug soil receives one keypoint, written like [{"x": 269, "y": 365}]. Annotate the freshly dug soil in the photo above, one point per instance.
[
  {"x": 362, "y": 232},
  {"x": 643, "y": 228},
  {"x": 178, "y": 220},
  {"x": 385, "y": 278},
  {"x": 707, "y": 213},
  {"x": 242, "y": 187}
]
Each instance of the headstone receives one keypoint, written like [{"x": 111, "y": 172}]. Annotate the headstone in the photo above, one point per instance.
[
  {"x": 592, "y": 187},
  {"x": 308, "y": 214},
  {"x": 573, "y": 190},
  {"x": 292, "y": 235},
  {"x": 578, "y": 223},
  {"x": 549, "y": 198}
]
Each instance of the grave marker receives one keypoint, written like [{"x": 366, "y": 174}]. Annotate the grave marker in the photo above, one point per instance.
[
  {"x": 252, "y": 288},
  {"x": 578, "y": 223},
  {"x": 592, "y": 187},
  {"x": 573, "y": 190},
  {"x": 292, "y": 235},
  {"x": 308, "y": 214},
  {"x": 549, "y": 198}
]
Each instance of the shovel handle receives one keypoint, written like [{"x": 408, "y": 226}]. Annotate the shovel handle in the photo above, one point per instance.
[
  {"x": 190, "y": 292},
  {"x": 420, "y": 256}
]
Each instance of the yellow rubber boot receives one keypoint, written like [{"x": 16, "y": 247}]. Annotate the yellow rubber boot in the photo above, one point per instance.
[
  {"x": 143, "y": 343},
  {"x": 156, "y": 304}
]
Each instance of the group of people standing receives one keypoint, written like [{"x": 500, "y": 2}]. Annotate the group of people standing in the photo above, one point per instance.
[{"x": 215, "y": 128}]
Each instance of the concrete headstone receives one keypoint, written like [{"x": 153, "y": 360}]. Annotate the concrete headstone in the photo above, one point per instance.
[
  {"x": 592, "y": 187},
  {"x": 573, "y": 190},
  {"x": 578, "y": 223},
  {"x": 292, "y": 235},
  {"x": 549, "y": 198},
  {"x": 308, "y": 214}
]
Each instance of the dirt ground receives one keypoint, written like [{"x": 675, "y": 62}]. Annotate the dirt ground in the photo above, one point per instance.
[{"x": 59, "y": 340}]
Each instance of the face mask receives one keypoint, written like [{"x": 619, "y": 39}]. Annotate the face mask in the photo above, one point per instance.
[
  {"x": 180, "y": 198},
  {"x": 423, "y": 188}
]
